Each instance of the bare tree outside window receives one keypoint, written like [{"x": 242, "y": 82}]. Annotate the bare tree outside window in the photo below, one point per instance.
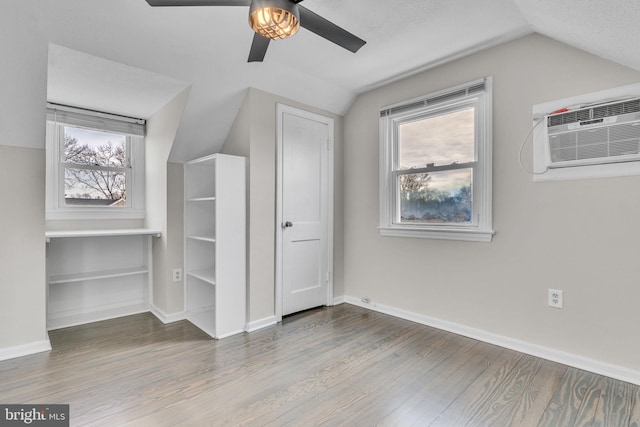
[
  {"x": 412, "y": 183},
  {"x": 95, "y": 168}
]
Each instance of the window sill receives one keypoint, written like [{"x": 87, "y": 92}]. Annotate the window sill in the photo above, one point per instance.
[{"x": 469, "y": 235}]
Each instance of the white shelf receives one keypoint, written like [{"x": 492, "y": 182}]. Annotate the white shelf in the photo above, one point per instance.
[
  {"x": 103, "y": 233},
  {"x": 208, "y": 275},
  {"x": 210, "y": 239},
  {"x": 94, "y": 275},
  {"x": 209, "y": 160},
  {"x": 202, "y": 199}
]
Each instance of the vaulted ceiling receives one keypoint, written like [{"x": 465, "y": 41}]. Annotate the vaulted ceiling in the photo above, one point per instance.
[{"x": 206, "y": 48}]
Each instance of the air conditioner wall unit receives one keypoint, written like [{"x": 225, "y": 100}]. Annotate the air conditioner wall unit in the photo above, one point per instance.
[{"x": 597, "y": 134}]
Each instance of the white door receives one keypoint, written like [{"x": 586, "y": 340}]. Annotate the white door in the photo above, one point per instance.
[{"x": 305, "y": 149}]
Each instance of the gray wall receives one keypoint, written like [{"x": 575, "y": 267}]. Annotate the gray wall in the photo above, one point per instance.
[
  {"x": 253, "y": 135},
  {"x": 22, "y": 248},
  {"x": 164, "y": 203},
  {"x": 22, "y": 128},
  {"x": 579, "y": 236}
]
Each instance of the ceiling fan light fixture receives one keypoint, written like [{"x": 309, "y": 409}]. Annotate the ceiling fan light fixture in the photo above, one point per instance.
[{"x": 274, "y": 19}]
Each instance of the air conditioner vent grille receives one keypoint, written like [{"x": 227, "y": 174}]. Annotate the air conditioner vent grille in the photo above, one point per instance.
[
  {"x": 570, "y": 117},
  {"x": 597, "y": 112},
  {"x": 605, "y": 142},
  {"x": 616, "y": 109}
]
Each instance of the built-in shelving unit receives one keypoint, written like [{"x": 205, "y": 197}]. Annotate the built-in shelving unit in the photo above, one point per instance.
[
  {"x": 215, "y": 254},
  {"x": 97, "y": 274}
]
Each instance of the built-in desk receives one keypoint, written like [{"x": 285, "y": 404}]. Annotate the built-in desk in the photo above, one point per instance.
[{"x": 98, "y": 274}]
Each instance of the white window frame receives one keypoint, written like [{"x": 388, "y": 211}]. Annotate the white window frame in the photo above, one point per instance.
[
  {"x": 477, "y": 94},
  {"x": 56, "y": 208}
]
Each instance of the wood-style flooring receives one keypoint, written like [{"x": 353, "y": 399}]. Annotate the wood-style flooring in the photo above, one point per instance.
[{"x": 337, "y": 366}]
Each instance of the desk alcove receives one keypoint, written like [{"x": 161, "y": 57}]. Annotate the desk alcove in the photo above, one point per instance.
[{"x": 95, "y": 275}]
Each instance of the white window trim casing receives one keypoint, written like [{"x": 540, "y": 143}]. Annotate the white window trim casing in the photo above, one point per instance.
[
  {"x": 55, "y": 205},
  {"x": 480, "y": 229}
]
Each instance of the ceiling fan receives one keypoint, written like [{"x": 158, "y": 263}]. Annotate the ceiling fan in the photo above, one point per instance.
[{"x": 277, "y": 19}]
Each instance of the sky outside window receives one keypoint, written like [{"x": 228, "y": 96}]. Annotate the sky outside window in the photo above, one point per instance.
[{"x": 441, "y": 140}]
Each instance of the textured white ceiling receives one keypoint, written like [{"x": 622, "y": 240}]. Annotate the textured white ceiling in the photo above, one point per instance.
[
  {"x": 609, "y": 29},
  {"x": 207, "y": 47}
]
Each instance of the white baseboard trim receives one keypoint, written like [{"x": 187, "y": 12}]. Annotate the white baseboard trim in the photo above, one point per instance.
[
  {"x": 229, "y": 334},
  {"x": 261, "y": 323},
  {"x": 25, "y": 349},
  {"x": 598, "y": 367},
  {"x": 164, "y": 317},
  {"x": 338, "y": 300}
]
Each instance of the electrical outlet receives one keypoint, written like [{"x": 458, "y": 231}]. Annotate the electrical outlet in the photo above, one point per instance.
[
  {"x": 177, "y": 275},
  {"x": 555, "y": 298}
]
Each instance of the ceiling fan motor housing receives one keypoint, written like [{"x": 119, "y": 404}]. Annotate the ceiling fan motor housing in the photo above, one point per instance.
[{"x": 274, "y": 19}]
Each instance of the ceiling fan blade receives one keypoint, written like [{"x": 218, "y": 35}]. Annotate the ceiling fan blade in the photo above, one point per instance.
[
  {"x": 199, "y": 2},
  {"x": 330, "y": 31},
  {"x": 258, "y": 48}
]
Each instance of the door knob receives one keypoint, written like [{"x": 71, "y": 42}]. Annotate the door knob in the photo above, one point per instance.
[{"x": 288, "y": 224}]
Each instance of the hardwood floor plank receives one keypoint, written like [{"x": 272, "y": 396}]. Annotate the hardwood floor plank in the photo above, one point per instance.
[
  {"x": 535, "y": 398},
  {"x": 492, "y": 397},
  {"x": 615, "y": 405},
  {"x": 575, "y": 397},
  {"x": 634, "y": 415},
  {"x": 587, "y": 410}
]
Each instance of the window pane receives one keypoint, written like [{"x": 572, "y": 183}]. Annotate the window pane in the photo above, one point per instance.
[
  {"x": 436, "y": 197},
  {"x": 92, "y": 147},
  {"x": 84, "y": 187},
  {"x": 441, "y": 139}
]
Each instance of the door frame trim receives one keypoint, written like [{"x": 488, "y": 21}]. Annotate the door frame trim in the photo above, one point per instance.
[{"x": 281, "y": 109}]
